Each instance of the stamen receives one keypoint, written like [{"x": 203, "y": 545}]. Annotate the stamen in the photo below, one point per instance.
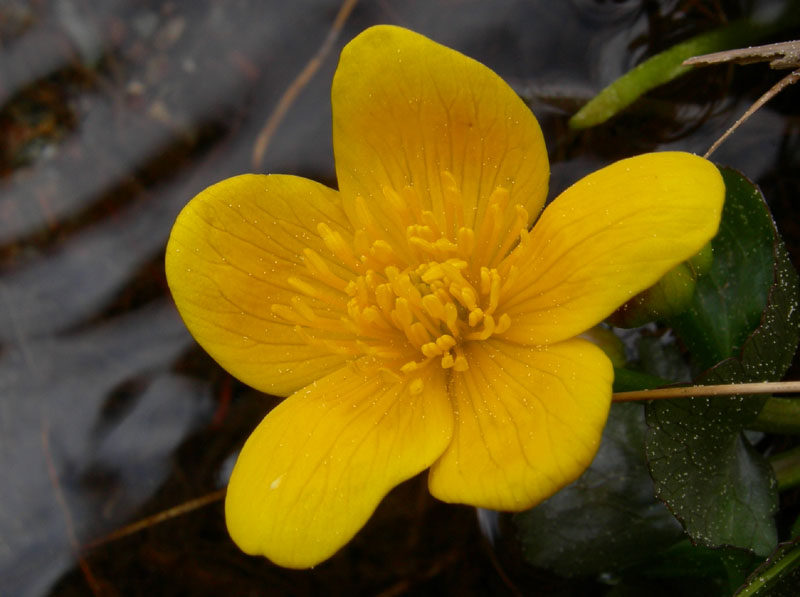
[
  {"x": 385, "y": 298},
  {"x": 317, "y": 267},
  {"x": 421, "y": 300},
  {"x": 301, "y": 307},
  {"x": 418, "y": 335},
  {"x": 451, "y": 318},
  {"x": 453, "y": 202},
  {"x": 445, "y": 342},
  {"x": 466, "y": 242},
  {"x": 383, "y": 252},
  {"x": 433, "y": 307},
  {"x": 364, "y": 217},
  {"x": 429, "y": 219},
  {"x": 475, "y": 317},
  {"x": 304, "y": 287},
  {"x": 485, "y": 332},
  {"x": 413, "y": 202},
  {"x": 494, "y": 291},
  {"x": 502, "y": 324},
  {"x": 397, "y": 205},
  {"x": 431, "y": 349},
  {"x": 340, "y": 249},
  {"x": 520, "y": 223}
]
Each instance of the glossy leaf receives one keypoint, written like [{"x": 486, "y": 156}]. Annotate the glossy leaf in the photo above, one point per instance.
[
  {"x": 730, "y": 299},
  {"x": 608, "y": 519}
]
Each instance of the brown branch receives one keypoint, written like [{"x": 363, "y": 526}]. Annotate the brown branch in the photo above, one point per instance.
[
  {"x": 155, "y": 519},
  {"x": 792, "y": 77},
  {"x": 62, "y": 504},
  {"x": 780, "y": 55},
  {"x": 291, "y": 93}
]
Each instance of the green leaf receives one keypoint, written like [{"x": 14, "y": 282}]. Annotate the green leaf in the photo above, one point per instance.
[
  {"x": 745, "y": 312},
  {"x": 656, "y": 70},
  {"x": 628, "y": 380},
  {"x": 664, "y": 67},
  {"x": 730, "y": 298},
  {"x": 660, "y": 357},
  {"x": 608, "y": 519},
  {"x": 779, "y": 576},
  {"x": 708, "y": 473}
]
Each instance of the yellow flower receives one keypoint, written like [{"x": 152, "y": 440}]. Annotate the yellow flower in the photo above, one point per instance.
[{"x": 412, "y": 318}]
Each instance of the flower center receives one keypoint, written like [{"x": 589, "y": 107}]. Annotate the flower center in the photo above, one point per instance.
[{"x": 416, "y": 298}]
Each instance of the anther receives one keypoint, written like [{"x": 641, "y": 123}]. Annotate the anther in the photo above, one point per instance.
[
  {"x": 383, "y": 252},
  {"x": 503, "y": 324},
  {"x": 337, "y": 246},
  {"x": 475, "y": 317},
  {"x": 445, "y": 342},
  {"x": 431, "y": 349},
  {"x": 433, "y": 306},
  {"x": 303, "y": 287},
  {"x": 317, "y": 267}
]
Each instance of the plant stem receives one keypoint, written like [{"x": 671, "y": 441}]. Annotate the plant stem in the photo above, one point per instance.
[
  {"x": 766, "y": 578},
  {"x": 733, "y": 389}
]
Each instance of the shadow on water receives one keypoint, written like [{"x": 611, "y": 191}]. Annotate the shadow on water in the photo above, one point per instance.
[{"x": 112, "y": 116}]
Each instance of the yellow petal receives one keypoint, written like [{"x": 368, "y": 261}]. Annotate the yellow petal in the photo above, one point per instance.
[
  {"x": 406, "y": 109},
  {"x": 607, "y": 238},
  {"x": 317, "y": 466},
  {"x": 230, "y": 257},
  {"x": 528, "y": 422}
]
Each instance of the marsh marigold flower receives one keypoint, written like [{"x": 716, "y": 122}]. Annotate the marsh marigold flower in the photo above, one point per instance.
[{"x": 414, "y": 318}]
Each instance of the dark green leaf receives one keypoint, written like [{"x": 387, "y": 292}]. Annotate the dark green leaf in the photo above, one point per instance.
[
  {"x": 709, "y": 475},
  {"x": 660, "y": 357},
  {"x": 627, "y": 380},
  {"x": 687, "y": 570},
  {"x": 608, "y": 519},
  {"x": 729, "y": 300}
]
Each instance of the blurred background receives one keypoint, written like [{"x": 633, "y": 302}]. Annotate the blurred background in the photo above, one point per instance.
[{"x": 114, "y": 114}]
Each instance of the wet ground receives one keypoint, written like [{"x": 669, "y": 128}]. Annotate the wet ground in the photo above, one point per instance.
[{"x": 112, "y": 116}]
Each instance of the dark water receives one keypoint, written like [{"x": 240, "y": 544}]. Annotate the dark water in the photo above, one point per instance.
[{"x": 114, "y": 114}]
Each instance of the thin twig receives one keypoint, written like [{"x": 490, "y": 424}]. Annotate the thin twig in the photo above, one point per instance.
[
  {"x": 291, "y": 93},
  {"x": 155, "y": 519},
  {"x": 732, "y": 389},
  {"x": 785, "y": 54},
  {"x": 792, "y": 77},
  {"x": 62, "y": 504}
]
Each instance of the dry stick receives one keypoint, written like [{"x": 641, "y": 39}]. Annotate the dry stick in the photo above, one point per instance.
[
  {"x": 62, "y": 504},
  {"x": 792, "y": 77},
  {"x": 780, "y": 387},
  {"x": 291, "y": 93},
  {"x": 155, "y": 519},
  {"x": 767, "y": 387}
]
